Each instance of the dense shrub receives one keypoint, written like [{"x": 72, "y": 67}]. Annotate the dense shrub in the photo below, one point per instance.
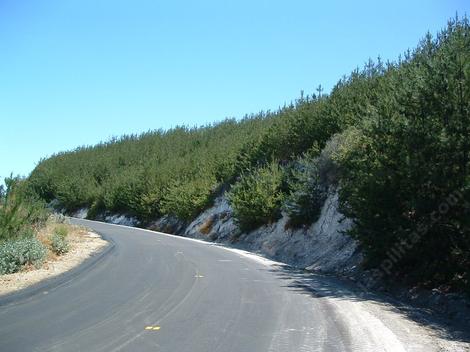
[
  {"x": 187, "y": 199},
  {"x": 19, "y": 211},
  {"x": 406, "y": 176},
  {"x": 329, "y": 166},
  {"x": 61, "y": 231},
  {"x": 307, "y": 193},
  {"x": 16, "y": 253},
  {"x": 59, "y": 243},
  {"x": 256, "y": 199}
]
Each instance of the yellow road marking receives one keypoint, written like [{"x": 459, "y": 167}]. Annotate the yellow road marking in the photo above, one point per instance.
[{"x": 152, "y": 328}]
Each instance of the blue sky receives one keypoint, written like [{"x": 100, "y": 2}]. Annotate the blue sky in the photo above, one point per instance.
[{"x": 76, "y": 72}]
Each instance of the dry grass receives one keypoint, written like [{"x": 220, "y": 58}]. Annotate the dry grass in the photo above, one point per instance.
[
  {"x": 206, "y": 227},
  {"x": 75, "y": 234}
]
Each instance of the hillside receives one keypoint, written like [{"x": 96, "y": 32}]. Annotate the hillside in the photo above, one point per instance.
[{"x": 391, "y": 138}]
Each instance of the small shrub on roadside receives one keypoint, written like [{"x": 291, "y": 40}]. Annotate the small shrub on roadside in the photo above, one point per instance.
[
  {"x": 15, "y": 254},
  {"x": 59, "y": 243},
  {"x": 61, "y": 231},
  {"x": 329, "y": 170},
  {"x": 307, "y": 193},
  {"x": 313, "y": 175},
  {"x": 185, "y": 200},
  {"x": 58, "y": 218},
  {"x": 256, "y": 199}
]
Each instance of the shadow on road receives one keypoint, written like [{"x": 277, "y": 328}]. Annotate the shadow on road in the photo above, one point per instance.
[{"x": 319, "y": 285}]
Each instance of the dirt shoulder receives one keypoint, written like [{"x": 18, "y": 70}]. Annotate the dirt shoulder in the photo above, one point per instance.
[{"x": 83, "y": 244}]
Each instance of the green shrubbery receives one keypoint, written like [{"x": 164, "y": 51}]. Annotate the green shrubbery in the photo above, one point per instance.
[
  {"x": 20, "y": 212},
  {"x": 59, "y": 243},
  {"x": 16, "y": 253},
  {"x": 307, "y": 193},
  {"x": 405, "y": 175},
  {"x": 187, "y": 199},
  {"x": 20, "y": 215},
  {"x": 149, "y": 175},
  {"x": 257, "y": 198}
]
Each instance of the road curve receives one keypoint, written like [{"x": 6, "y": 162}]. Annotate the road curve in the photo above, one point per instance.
[{"x": 156, "y": 292}]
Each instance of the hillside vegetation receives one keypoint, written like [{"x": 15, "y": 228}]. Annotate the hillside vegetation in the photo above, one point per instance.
[{"x": 392, "y": 137}]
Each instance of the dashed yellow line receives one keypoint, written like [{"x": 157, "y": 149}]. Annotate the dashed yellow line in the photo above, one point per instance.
[{"x": 152, "y": 328}]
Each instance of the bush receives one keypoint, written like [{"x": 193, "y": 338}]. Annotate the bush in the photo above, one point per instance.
[
  {"x": 14, "y": 254},
  {"x": 19, "y": 212},
  {"x": 96, "y": 208},
  {"x": 329, "y": 170},
  {"x": 307, "y": 193},
  {"x": 59, "y": 243},
  {"x": 61, "y": 231},
  {"x": 256, "y": 199},
  {"x": 58, "y": 218},
  {"x": 186, "y": 199}
]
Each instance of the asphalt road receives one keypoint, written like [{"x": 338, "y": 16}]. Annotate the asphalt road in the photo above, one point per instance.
[{"x": 155, "y": 292}]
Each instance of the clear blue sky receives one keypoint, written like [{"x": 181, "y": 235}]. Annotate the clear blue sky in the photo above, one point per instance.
[{"x": 76, "y": 72}]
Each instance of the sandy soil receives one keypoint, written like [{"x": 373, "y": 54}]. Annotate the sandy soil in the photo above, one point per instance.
[{"x": 83, "y": 244}]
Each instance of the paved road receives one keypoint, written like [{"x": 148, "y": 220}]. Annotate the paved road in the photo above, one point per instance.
[{"x": 156, "y": 292}]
